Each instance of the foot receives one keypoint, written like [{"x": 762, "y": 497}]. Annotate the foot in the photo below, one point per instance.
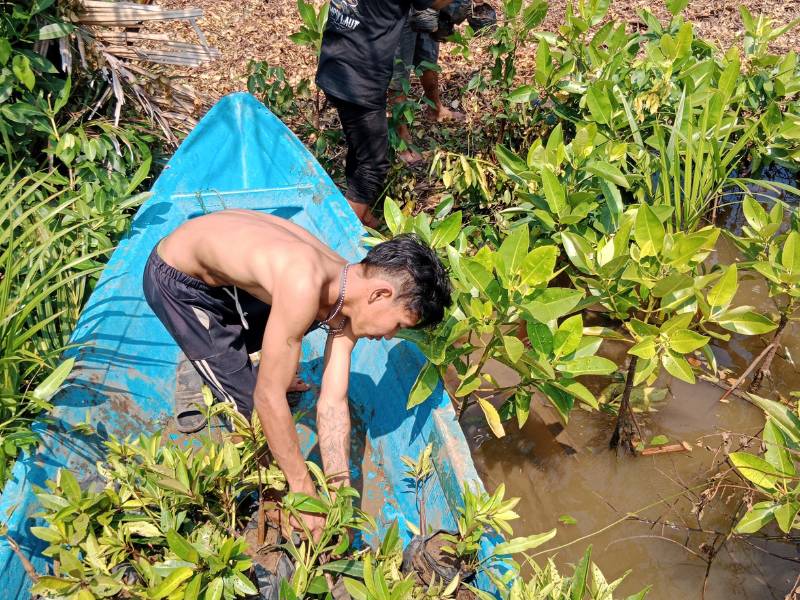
[
  {"x": 298, "y": 385},
  {"x": 410, "y": 157},
  {"x": 364, "y": 214},
  {"x": 444, "y": 115}
]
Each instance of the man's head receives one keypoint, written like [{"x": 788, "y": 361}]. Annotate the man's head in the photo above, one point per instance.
[{"x": 405, "y": 286}]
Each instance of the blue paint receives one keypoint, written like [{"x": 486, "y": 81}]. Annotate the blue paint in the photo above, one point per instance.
[{"x": 240, "y": 156}]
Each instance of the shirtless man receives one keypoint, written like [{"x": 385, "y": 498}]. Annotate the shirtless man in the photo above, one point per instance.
[{"x": 227, "y": 283}]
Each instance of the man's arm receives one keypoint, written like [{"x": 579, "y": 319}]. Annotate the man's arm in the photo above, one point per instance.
[
  {"x": 280, "y": 354},
  {"x": 333, "y": 411}
]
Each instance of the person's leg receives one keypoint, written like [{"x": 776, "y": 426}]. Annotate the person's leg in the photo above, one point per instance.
[
  {"x": 208, "y": 329},
  {"x": 403, "y": 65},
  {"x": 428, "y": 51},
  {"x": 367, "y": 134}
]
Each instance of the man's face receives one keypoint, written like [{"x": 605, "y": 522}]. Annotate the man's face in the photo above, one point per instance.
[{"x": 381, "y": 316}]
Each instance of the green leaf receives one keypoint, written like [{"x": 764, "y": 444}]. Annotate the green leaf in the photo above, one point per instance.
[
  {"x": 608, "y": 172},
  {"x": 58, "y": 585},
  {"x": 393, "y": 216},
  {"x": 447, "y": 231},
  {"x": 47, "y": 534},
  {"x": 587, "y": 365},
  {"x": 423, "y": 387},
  {"x": 38, "y": 6},
  {"x": 174, "y": 580},
  {"x": 577, "y": 586},
  {"x": 21, "y": 67},
  {"x": 754, "y": 213},
  {"x": 776, "y": 453},
  {"x": 514, "y": 348},
  {"x": 677, "y": 366},
  {"x": 356, "y": 589},
  {"x": 553, "y": 303},
  {"x": 522, "y": 94},
  {"x": 192, "y": 590},
  {"x": 181, "y": 547},
  {"x": 648, "y": 231},
  {"x": 55, "y": 30},
  {"x": 724, "y": 290},
  {"x": 512, "y": 164},
  {"x": 785, "y": 515},
  {"x": 686, "y": 341},
  {"x": 538, "y": 266},
  {"x": 47, "y": 389},
  {"x": 70, "y": 486},
  {"x": 676, "y": 6},
  {"x": 744, "y": 320},
  {"x": 540, "y": 337},
  {"x": 659, "y": 440},
  {"x": 783, "y": 416},
  {"x": 523, "y": 544},
  {"x": 599, "y": 104},
  {"x": 345, "y": 567},
  {"x": 492, "y": 418},
  {"x": 756, "y": 518},
  {"x": 790, "y": 253},
  {"x": 755, "y": 469},
  {"x": 214, "y": 589},
  {"x": 578, "y": 250},
  {"x": 568, "y": 336},
  {"x": 5, "y": 51},
  {"x": 644, "y": 348},
  {"x": 568, "y": 520},
  {"x": 554, "y": 192},
  {"x": 514, "y": 249}
]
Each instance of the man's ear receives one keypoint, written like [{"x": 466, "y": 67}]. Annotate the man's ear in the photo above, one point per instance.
[{"x": 382, "y": 289}]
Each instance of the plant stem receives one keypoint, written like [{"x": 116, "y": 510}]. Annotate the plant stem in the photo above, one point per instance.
[
  {"x": 763, "y": 370},
  {"x": 623, "y": 435}
]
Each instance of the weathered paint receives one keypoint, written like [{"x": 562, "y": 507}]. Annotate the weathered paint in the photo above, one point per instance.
[{"x": 240, "y": 156}]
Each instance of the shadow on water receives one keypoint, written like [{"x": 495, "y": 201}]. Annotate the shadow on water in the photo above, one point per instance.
[{"x": 596, "y": 489}]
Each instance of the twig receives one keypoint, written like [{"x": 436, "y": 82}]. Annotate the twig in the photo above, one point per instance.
[
  {"x": 26, "y": 564},
  {"x": 747, "y": 371}
]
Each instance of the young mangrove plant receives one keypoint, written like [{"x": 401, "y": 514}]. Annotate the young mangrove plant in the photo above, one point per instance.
[{"x": 775, "y": 255}]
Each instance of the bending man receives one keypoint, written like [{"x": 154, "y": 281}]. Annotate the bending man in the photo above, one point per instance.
[{"x": 227, "y": 283}]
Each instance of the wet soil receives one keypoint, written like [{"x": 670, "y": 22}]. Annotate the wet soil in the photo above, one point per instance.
[{"x": 423, "y": 563}]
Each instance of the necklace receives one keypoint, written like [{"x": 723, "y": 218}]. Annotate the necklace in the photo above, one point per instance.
[{"x": 339, "y": 303}]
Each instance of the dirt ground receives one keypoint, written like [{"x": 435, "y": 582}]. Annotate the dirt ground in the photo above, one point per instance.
[{"x": 245, "y": 30}]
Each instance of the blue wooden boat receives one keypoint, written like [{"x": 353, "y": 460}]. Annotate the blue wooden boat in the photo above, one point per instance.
[{"x": 241, "y": 156}]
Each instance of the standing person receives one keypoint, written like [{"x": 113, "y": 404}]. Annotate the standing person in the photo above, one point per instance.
[
  {"x": 418, "y": 49},
  {"x": 355, "y": 67}
]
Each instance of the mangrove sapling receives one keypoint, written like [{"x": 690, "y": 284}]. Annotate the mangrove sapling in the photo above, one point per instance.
[
  {"x": 656, "y": 284},
  {"x": 419, "y": 472},
  {"x": 494, "y": 292},
  {"x": 774, "y": 252}
]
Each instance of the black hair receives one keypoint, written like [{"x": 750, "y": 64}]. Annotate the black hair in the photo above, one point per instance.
[{"x": 426, "y": 288}]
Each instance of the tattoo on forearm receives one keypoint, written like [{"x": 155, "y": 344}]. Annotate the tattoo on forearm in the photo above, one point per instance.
[{"x": 333, "y": 426}]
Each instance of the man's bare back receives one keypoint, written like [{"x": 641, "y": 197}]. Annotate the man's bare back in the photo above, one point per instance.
[{"x": 252, "y": 251}]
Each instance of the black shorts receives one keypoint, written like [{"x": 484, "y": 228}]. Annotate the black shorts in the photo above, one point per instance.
[{"x": 214, "y": 334}]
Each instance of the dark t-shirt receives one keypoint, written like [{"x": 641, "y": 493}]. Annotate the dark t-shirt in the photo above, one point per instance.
[{"x": 358, "y": 47}]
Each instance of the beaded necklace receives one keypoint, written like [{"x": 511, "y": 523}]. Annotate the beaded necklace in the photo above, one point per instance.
[{"x": 325, "y": 325}]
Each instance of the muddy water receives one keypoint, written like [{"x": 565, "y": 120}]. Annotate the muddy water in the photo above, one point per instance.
[{"x": 572, "y": 473}]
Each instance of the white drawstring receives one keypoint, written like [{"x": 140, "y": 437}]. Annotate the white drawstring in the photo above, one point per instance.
[{"x": 235, "y": 296}]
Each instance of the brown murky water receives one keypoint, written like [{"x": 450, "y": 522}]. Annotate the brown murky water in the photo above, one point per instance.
[{"x": 576, "y": 475}]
